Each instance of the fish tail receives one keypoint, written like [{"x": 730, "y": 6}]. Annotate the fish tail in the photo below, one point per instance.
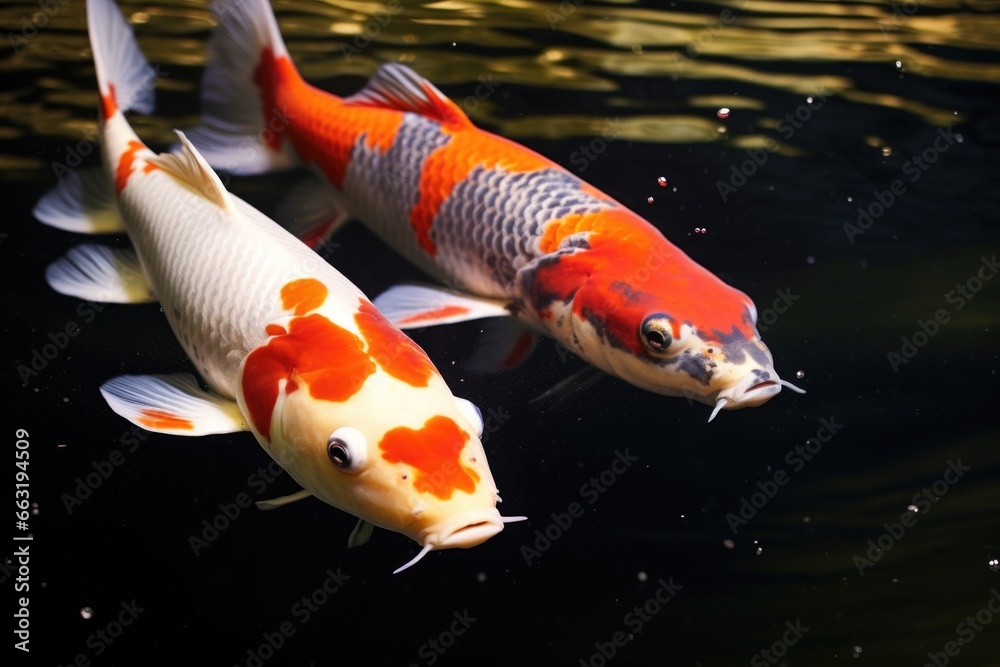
[
  {"x": 243, "y": 119},
  {"x": 124, "y": 78},
  {"x": 84, "y": 200}
]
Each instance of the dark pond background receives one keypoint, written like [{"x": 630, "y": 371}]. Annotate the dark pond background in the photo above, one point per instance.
[{"x": 885, "y": 82}]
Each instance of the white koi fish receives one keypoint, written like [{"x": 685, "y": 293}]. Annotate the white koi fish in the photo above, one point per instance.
[{"x": 289, "y": 348}]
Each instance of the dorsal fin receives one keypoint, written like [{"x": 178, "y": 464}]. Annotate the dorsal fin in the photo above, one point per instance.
[
  {"x": 398, "y": 87},
  {"x": 187, "y": 165}
]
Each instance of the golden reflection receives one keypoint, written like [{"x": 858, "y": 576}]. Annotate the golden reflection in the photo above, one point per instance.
[{"x": 739, "y": 52}]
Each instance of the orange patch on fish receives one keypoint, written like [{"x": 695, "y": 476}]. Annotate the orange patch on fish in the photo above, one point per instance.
[
  {"x": 125, "y": 164},
  {"x": 274, "y": 330},
  {"x": 452, "y": 163},
  {"x": 301, "y": 296},
  {"x": 433, "y": 451},
  {"x": 443, "y": 311},
  {"x": 328, "y": 359},
  {"x": 109, "y": 105},
  {"x": 391, "y": 349},
  {"x": 161, "y": 419}
]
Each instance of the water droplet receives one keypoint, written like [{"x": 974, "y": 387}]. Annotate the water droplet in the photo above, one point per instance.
[
  {"x": 649, "y": 200},
  {"x": 886, "y": 151},
  {"x": 857, "y": 652},
  {"x": 723, "y": 113},
  {"x": 642, "y": 576},
  {"x": 913, "y": 508},
  {"x": 729, "y": 544},
  {"x": 86, "y": 613},
  {"x": 800, "y": 374},
  {"x": 994, "y": 564},
  {"x": 662, "y": 180}
]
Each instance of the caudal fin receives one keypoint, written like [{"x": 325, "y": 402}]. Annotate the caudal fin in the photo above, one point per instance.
[
  {"x": 241, "y": 124},
  {"x": 124, "y": 78},
  {"x": 84, "y": 200}
]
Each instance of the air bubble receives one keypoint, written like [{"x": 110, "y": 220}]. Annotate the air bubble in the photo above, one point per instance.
[
  {"x": 86, "y": 613},
  {"x": 913, "y": 508},
  {"x": 857, "y": 652},
  {"x": 759, "y": 551},
  {"x": 649, "y": 200},
  {"x": 886, "y": 151},
  {"x": 994, "y": 564},
  {"x": 481, "y": 577},
  {"x": 800, "y": 374},
  {"x": 723, "y": 113},
  {"x": 729, "y": 544},
  {"x": 642, "y": 576},
  {"x": 662, "y": 180}
]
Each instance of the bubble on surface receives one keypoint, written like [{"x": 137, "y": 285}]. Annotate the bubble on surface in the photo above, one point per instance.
[{"x": 86, "y": 613}]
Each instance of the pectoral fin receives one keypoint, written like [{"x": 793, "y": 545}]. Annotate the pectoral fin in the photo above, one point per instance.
[
  {"x": 172, "y": 404},
  {"x": 275, "y": 503},
  {"x": 99, "y": 273},
  {"x": 413, "y": 306},
  {"x": 361, "y": 534}
]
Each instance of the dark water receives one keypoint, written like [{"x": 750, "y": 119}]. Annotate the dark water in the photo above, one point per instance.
[{"x": 649, "y": 81}]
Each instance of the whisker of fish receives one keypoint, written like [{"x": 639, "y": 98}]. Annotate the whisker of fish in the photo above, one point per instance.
[
  {"x": 718, "y": 407},
  {"x": 786, "y": 383},
  {"x": 413, "y": 561}
]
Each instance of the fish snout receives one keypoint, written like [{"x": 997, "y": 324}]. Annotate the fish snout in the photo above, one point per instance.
[
  {"x": 462, "y": 532},
  {"x": 756, "y": 388}
]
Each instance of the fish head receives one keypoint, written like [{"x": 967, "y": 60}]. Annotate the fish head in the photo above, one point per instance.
[
  {"x": 359, "y": 416},
  {"x": 650, "y": 315}
]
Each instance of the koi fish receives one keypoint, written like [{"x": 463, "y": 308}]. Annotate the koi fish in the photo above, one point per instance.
[
  {"x": 289, "y": 348},
  {"x": 518, "y": 233}
]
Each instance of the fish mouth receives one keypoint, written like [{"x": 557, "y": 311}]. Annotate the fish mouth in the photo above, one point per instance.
[
  {"x": 755, "y": 389},
  {"x": 463, "y": 532}
]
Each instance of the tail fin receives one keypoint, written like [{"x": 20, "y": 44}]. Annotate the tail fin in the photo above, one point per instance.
[
  {"x": 124, "y": 78},
  {"x": 84, "y": 201},
  {"x": 239, "y": 128}
]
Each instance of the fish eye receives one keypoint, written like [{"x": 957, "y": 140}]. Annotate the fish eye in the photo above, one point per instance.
[
  {"x": 347, "y": 449},
  {"x": 655, "y": 332}
]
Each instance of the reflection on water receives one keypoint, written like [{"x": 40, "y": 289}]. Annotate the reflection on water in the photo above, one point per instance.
[{"x": 732, "y": 50}]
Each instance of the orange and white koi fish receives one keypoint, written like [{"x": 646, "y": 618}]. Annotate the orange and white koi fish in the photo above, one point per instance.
[
  {"x": 519, "y": 233},
  {"x": 289, "y": 348}
]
